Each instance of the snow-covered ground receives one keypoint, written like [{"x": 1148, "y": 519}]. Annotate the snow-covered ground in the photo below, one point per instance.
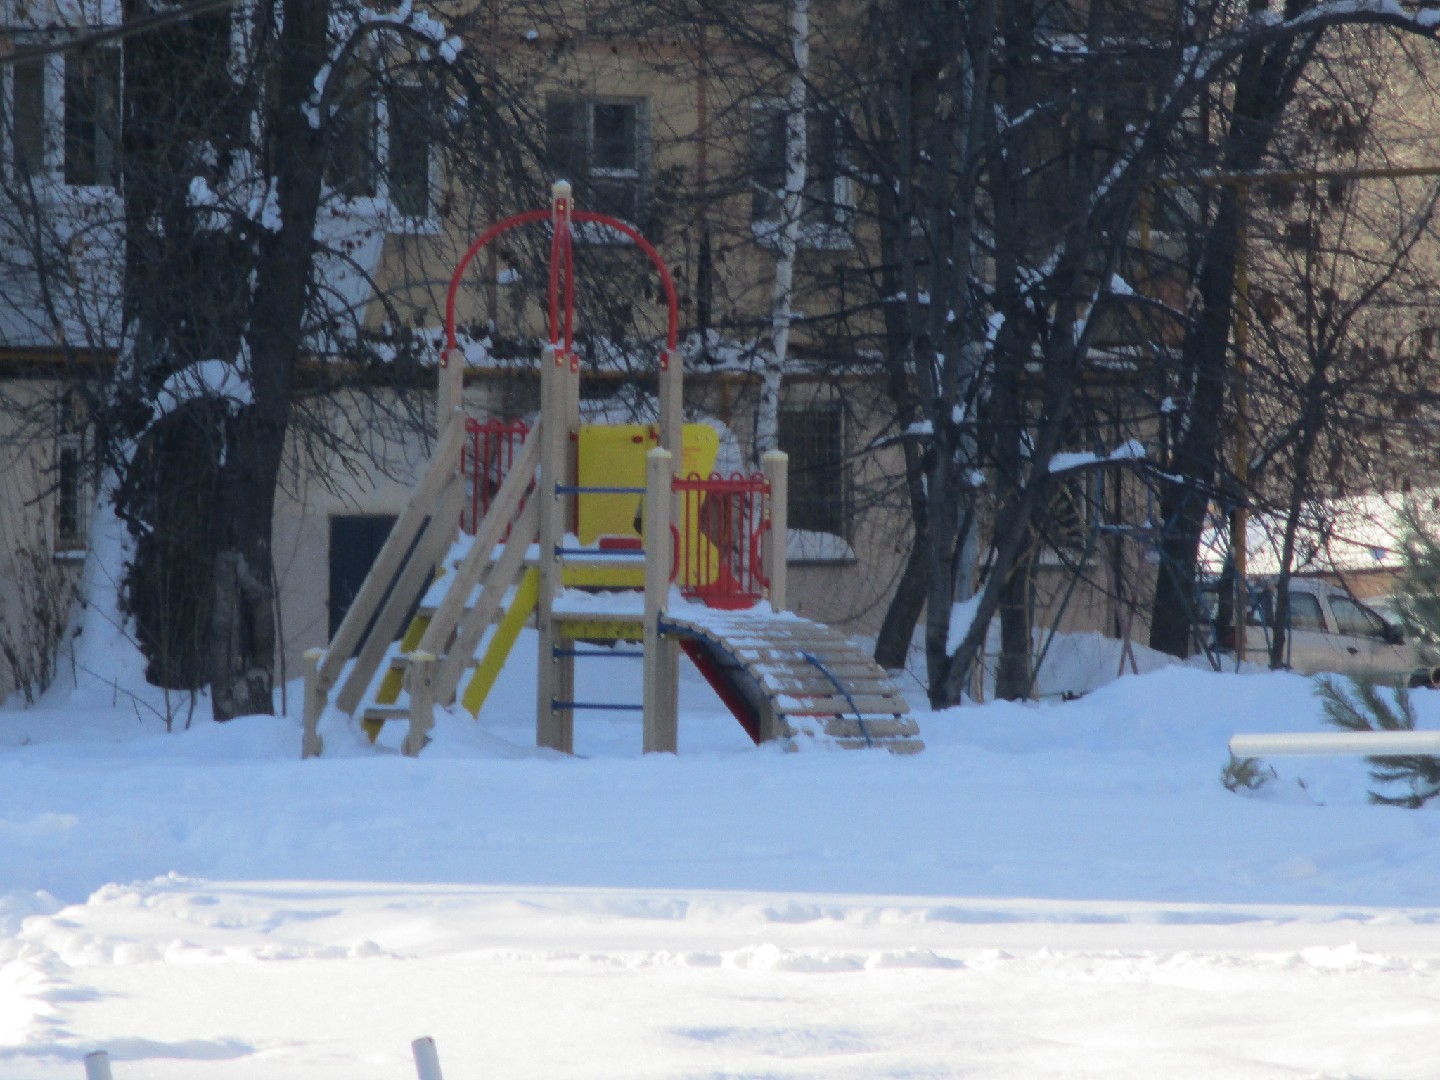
[{"x": 1054, "y": 890}]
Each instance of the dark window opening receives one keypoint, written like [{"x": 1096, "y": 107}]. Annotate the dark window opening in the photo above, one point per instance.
[
  {"x": 27, "y": 117},
  {"x": 408, "y": 161},
  {"x": 92, "y": 118},
  {"x": 822, "y": 202},
  {"x": 819, "y": 484},
  {"x": 601, "y": 148},
  {"x": 351, "y": 169}
]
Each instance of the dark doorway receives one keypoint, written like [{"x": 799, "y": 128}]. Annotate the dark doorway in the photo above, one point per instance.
[{"x": 355, "y": 540}]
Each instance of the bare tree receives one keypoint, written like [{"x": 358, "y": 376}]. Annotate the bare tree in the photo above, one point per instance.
[{"x": 204, "y": 251}]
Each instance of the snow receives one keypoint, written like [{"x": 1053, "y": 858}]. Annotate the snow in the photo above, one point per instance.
[
  {"x": 200, "y": 381},
  {"x": 1130, "y": 450},
  {"x": 1053, "y": 889},
  {"x": 1359, "y": 532}
]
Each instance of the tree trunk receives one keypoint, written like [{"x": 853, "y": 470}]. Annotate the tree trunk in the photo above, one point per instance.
[
  {"x": 1264, "y": 86},
  {"x": 787, "y": 238},
  {"x": 243, "y": 623},
  {"x": 1012, "y": 670},
  {"x": 892, "y": 643},
  {"x": 242, "y": 616}
]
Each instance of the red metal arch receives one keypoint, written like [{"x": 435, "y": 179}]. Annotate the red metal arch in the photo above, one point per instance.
[{"x": 561, "y": 308}]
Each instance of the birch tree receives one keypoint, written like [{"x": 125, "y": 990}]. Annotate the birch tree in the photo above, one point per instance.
[{"x": 787, "y": 236}]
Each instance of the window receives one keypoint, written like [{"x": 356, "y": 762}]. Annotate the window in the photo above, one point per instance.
[
  {"x": 407, "y": 164},
  {"x": 1352, "y": 618},
  {"x": 601, "y": 147},
  {"x": 1066, "y": 525},
  {"x": 351, "y": 168},
  {"x": 27, "y": 117},
  {"x": 74, "y": 480},
  {"x": 819, "y": 480},
  {"x": 824, "y": 203},
  {"x": 92, "y": 118},
  {"x": 1305, "y": 612}
]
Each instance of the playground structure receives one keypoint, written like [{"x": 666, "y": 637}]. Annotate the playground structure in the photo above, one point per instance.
[{"x": 600, "y": 536}]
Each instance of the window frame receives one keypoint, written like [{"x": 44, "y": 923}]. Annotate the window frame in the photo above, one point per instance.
[
  {"x": 106, "y": 175},
  {"x": 54, "y": 129},
  {"x": 819, "y": 476},
  {"x": 1071, "y": 516},
  {"x": 1372, "y": 625},
  {"x": 75, "y": 480},
  {"x": 402, "y": 220},
  {"x": 357, "y": 127},
  {"x": 1313, "y": 619},
  {"x": 590, "y": 177},
  {"x": 836, "y": 235},
  {"x": 38, "y": 115}
]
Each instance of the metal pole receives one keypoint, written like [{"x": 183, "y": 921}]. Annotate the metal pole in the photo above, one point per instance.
[
  {"x": 97, "y": 1066},
  {"x": 427, "y": 1059},
  {"x": 1239, "y": 528}
]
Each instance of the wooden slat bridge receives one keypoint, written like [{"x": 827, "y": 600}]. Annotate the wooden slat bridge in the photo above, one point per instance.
[{"x": 787, "y": 678}]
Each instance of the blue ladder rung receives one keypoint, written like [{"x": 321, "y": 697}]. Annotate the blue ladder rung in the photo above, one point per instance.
[
  {"x": 554, "y": 704},
  {"x": 634, "y": 654}
]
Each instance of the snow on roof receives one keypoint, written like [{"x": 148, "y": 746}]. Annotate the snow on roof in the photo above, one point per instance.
[{"x": 1359, "y": 532}]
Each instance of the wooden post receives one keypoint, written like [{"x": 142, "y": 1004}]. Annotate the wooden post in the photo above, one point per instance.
[
  {"x": 97, "y": 1066},
  {"x": 427, "y": 1059},
  {"x": 311, "y": 745},
  {"x": 671, "y": 414},
  {"x": 420, "y": 683},
  {"x": 554, "y": 728},
  {"x": 776, "y": 466},
  {"x": 661, "y": 653},
  {"x": 451, "y": 398},
  {"x": 433, "y": 544},
  {"x": 444, "y": 470}
]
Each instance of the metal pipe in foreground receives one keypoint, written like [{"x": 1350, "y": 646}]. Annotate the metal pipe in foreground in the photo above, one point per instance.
[{"x": 427, "y": 1059}]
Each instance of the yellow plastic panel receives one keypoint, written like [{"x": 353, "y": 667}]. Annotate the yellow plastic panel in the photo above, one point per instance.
[
  {"x": 613, "y": 455},
  {"x": 501, "y": 642}
]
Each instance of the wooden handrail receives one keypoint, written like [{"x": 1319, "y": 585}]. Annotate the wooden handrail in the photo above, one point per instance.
[
  {"x": 503, "y": 510},
  {"x": 504, "y": 572},
  {"x": 437, "y": 537},
  {"x": 444, "y": 468}
]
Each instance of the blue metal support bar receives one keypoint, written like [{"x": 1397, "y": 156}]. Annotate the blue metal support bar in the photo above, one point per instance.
[
  {"x": 633, "y": 654},
  {"x": 859, "y": 719},
  {"x": 555, "y": 704}
]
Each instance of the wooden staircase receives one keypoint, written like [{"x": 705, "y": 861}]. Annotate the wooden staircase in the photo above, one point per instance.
[{"x": 377, "y": 680}]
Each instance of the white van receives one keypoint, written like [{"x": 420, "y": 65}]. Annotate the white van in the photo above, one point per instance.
[{"x": 1329, "y": 631}]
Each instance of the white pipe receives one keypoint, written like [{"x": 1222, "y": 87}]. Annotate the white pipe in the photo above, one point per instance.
[
  {"x": 97, "y": 1066},
  {"x": 1319, "y": 743},
  {"x": 427, "y": 1059}
]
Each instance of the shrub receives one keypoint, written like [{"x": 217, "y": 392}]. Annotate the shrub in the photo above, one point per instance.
[
  {"x": 1365, "y": 704},
  {"x": 33, "y": 623}
]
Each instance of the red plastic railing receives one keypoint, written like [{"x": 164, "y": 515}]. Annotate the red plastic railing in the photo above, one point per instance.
[
  {"x": 718, "y": 538},
  {"x": 723, "y": 520},
  {"x": 485, "y": 459}
]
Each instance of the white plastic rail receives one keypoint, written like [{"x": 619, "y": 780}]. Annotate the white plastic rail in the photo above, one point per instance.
[
  {"x": 1337, "y": 744},
  {"x": 427, "y": 1062}
]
